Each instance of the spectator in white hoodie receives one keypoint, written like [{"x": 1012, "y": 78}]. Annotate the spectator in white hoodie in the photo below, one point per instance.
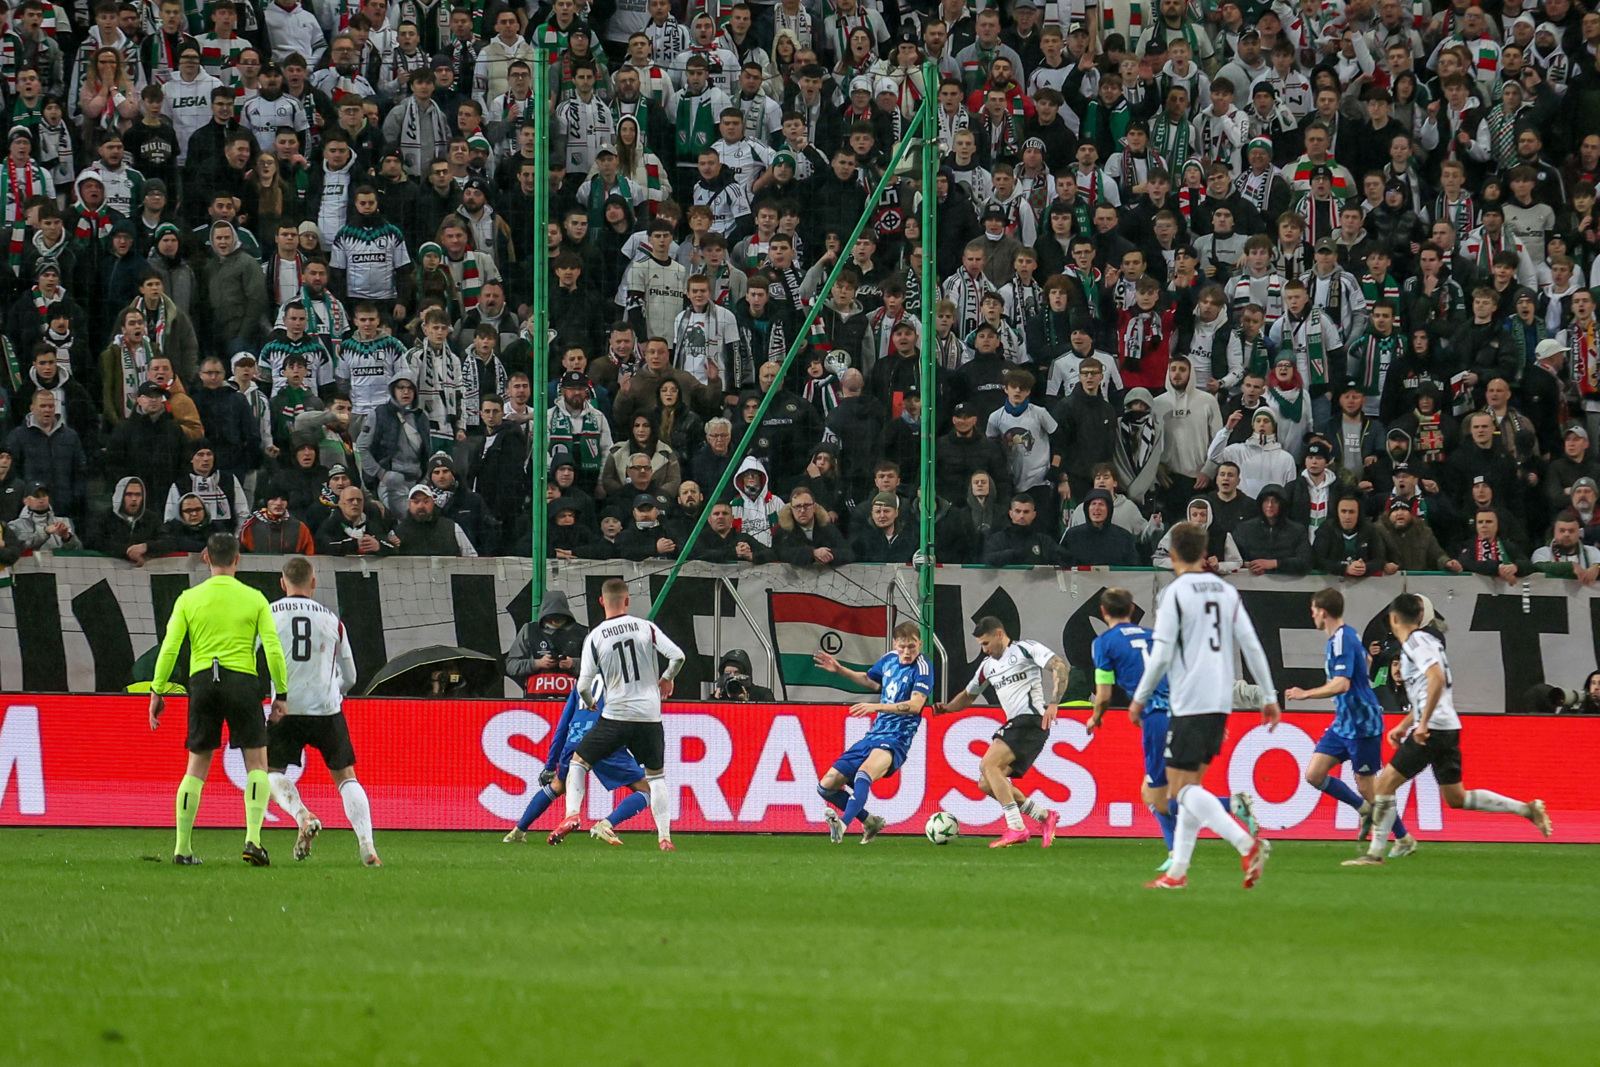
[
  {"x": 1189, "y": 418},
  {"x": 1261, "y": 459}
]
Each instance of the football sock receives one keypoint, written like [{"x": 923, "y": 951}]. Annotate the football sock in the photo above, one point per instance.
[
  {"x": 631, "y": 805},
  {"x": 540, "y": 804},
  {"x": 1172, "y": 807},
  {"x": 1384, "y": 812},
  {"x": 839, "y": 798},
  {"x": 1335, "y": 788},
  {"x": 1183, "y": 841},
  {"x": 860, "y": 794},
  {"x": 358, "y": 810},
  {"x": 1035, "y": 811},
  {"x": 1484, "y": 800},
  {"x": 1210, "y": 813},
  {"x": 256, "y": 794},
  {"x": 577, "y": 782},
  {"x": 1013, "y": 816},
  {"x": 1168, "y": 824},
  {"x": 661, "y": 805},
  {"x": 287, "y": 795},
  {"x": 188, "y": 805}
]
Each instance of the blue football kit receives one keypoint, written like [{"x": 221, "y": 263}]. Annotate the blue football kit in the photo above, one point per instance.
[
  {"x": 897, "y": 681},
  {"x": 1119, "y": 658},
  {"x": 1356, "y": 732}
]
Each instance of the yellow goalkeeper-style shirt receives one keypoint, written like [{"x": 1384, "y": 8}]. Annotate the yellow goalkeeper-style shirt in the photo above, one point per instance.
[{"x": 223, "y": 618}]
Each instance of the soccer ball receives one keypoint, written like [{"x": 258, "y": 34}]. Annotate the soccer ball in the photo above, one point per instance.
[{"x": 942, "y": 828}]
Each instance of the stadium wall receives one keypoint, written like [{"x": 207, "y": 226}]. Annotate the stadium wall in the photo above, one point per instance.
[
  {"x": 78, "y": 623},
  {"x": 473, "y": 765}
]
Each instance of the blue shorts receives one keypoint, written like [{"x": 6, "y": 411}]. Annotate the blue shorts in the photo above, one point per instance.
[
  {"x": 1365, "y": 754},
  {"x": 1153, "y": 725},
  {"x": 616, "y": 771},
  {"x": 849, "y": 763}
]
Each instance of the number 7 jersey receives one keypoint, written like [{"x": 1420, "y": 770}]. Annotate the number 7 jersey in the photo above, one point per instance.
[
  {"x": 321, "y": 666},
  {"x": 623, "y": 651}
]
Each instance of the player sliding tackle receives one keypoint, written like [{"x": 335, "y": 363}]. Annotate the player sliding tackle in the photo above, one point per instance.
[
  {"x": 1356, "y": 733},
  {"x": 1431, "y": 735},
  {"x": 615, "y": 771},
  {"x": 624, "y": 651},
  {"x": 1120, "y": 657},
  {"x": 1199, "y": 624},
  {"x": 1017, "y": 671},
  {"x": 905, "y": 681}
]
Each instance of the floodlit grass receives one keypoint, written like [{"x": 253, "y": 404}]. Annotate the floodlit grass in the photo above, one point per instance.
[{"x": 786, "y": 950}]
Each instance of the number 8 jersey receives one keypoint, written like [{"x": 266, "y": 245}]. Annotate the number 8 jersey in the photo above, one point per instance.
[
  {"x": 321, "y": 666},
  {"x": 622, "y": 651}
]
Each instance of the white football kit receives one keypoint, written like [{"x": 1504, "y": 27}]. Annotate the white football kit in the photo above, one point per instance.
[
  {"x": 622, "y": 651},
  {"x": 1419, "y": 652},
  {"x": 1018, "y": 677},
  {"x": 1200, "y": 622},
  {"x": 321, "y": 666}
]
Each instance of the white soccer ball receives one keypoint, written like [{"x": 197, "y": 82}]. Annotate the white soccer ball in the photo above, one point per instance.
[{"x": 942, "y": 828}]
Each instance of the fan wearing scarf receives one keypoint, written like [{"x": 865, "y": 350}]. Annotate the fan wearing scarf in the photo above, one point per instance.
[
  {"x": 1260, "y": 458},
  {"x": 125, "y": 363},
  {"x": 1144, "y": 334},
  {"x": 1141, "y": 440},
  {"x": 1318, "y": 349},
  {"x": 32, "y": 311},
  {"x": 89, "y": 219},
  {"x": 24, "y": 179}
]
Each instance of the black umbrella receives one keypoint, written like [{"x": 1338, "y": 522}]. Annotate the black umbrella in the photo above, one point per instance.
[{"x": 436, "y": 671}]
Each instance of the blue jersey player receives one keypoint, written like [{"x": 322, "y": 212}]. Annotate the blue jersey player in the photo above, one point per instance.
[
  {"x": 1119, "y": 658},
  {"x": 1356, "y": 733},
  {"x": 615, "y": 771},
  {"x": 905, "y": 680}
]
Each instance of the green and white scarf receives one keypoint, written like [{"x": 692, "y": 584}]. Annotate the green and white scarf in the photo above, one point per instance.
[
  {"x": 1375, "y": 353},
  {"x": 1316, "y": 354},
  {"x": 696, "y": 126},
  {"x": 1502, "y": 136},
  {"x": 1170, "y": 141},
  {"x": 132, "y": 363}
]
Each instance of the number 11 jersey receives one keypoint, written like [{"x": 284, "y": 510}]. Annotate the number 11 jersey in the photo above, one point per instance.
[{"x": 623, "y": 651}]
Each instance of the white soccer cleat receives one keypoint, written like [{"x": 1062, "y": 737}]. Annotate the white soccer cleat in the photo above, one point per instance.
[
  {"x": 1404, "y": 846},
  {"x": 309, "y": 829},
  {"x": 836, "y": 826},
  {"x": 604, "y": 831},
  {"x": 516, "y": 837},
  {"x": 1539, "y": 817},
  {"x": 871, "y": 826}
]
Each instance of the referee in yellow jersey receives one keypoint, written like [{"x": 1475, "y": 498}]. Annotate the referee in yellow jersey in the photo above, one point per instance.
[{"x": 223, "y": 619}]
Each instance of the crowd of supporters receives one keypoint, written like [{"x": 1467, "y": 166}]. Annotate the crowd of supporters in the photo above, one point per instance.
[{"x": 1316, "y": 276}]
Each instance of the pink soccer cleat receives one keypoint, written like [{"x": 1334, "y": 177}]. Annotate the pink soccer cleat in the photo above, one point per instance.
[
  {"x": 1255, "y": 861},
  {"x": 1011, "y": 837},
  {"x": 666, "y": 845},
  {"x": 1166, "y": 881},
  {"x": 559, "y": 834},
  {"x": 1048, "y": 837}
]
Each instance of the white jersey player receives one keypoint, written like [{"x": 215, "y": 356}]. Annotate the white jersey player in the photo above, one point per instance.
[
  {"x": 321, "y": 671},
  {"x": 624, "y": 652},
  {"x": 1430, "y": 736},
  {"x": 1028, "y": 680},
  {"x": 1200, "y": 624}
]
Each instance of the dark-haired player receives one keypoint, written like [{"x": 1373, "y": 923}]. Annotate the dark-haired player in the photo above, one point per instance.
[
  {"x": 1200, "y": 623},
  {"x": 1430, "y": 736},
  {"x": 1020, "y": 672},
  {"x": 905, "y": 680},
  {"x": 1356, "y": 733}
]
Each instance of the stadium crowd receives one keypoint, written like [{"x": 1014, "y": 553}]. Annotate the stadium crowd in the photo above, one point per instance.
[{"x": 1317, "y": 276}]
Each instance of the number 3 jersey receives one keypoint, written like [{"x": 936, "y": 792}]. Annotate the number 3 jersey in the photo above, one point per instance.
[
  {"x": 321, "y": 666},
  {"x": 622, "y": 651},
  {"x": 1018, "y": 677},
  {"x": 1200, "y": 627}
]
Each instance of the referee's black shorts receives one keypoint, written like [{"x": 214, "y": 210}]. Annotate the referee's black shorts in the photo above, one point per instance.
[
  {"x": 228, "y": 697},
  {"x": 328, "y": 734},
  {"x": 646, "y": 740}
]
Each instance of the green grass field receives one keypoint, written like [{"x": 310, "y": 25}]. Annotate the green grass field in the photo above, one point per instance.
[{"x": 786, "y": 950}]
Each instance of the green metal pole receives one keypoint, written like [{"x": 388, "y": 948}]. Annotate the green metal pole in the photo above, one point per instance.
[
  {"x": 737, "y": 456},
  {"x": 930, "y": 392},
  {"x": 539, "y": 326}
]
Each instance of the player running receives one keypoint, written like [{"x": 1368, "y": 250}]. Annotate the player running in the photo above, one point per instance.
[
  {"x": 321, "y": 671},
  {"x": 1120, "y": 655},
  {"x": 1356, "y": 733},
  {"x": 223, "y": 619},
  {"x": 615, "y": 771},
  {"x": 1017, "y": 670},
  {"x": 1199, "y": 625},
  {"x": 623, "y": 650},
  {"x": 905, "y": 680},
  {"x": 1431, "y": 735}
]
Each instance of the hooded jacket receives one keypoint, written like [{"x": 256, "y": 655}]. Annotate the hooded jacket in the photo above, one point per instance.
[
  {"x": 755, "y": 513},
  {"x": 1189, "y": 418},
  {"x": 1281, "y": 538},
  {"x": 393, "y": 448},
  {"x": 1261, "y": 459},
  {"x": 114, "y": 531},
  {"x": 541, "y": 638},
  {"x": 1137, "y": 466},
  {"x": 236, "y": 291},
  {"x": 1219, "y": 544},
  {"x": 1106, "y": 545},
  {"x": 739, "y": 660},
  {"x": 31, "y": 530},
  {"x": 792, "y": 544},
  {"x": 74, "y": 406},
  {"x": 54, "y": 457},
  {"x": 176, "y": 536}
]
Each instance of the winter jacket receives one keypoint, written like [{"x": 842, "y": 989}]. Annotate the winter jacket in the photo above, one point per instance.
[
  {"x": 958, "y": 458},
  {"x": 31, "y": 530},
  {"x": 236, "y": 294},
  {"x": 280, "y": 537},
  {"x": 1087, "y": 434},
  {"x": 231, "y": 427},
  {"x": 1333, "y": 549},
  {"x": 1262, "y": 462},
  {"x": 754, "y": 513},
  {"x": 176, "y": 537},
  {"x": 876, "y": 545},
  {"x": 1022, "y": 546},
  {"x": 1413, "y": 549},
  {"x": 150, "y": 449},
  {"x": 499, "y": 474},
  {"x": 1281, "y": 539},
  {"x": 1219, "y": 544},
  {"x": 389, "y": 422},
  {"x": 335, "y": 537},
  {"x": 712, "y": 548},
  {"x": 666, "y": 473},
  {"x": 433, "y": 536},
  {"x": 858, "y": 421},
  {"x": 791, "y": 544},
  {"x": 1108, "y": 545},
  {"x": 543, "y": 637},
  {"x": 74, "y": 406},
  {"x": 1508, "y": 552},
  {"x": 114, "y": 531},
  {"x": 55, "y": 458}
]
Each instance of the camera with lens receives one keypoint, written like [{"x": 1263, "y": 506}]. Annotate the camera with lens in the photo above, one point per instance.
[{"x": 733, "y": 686}]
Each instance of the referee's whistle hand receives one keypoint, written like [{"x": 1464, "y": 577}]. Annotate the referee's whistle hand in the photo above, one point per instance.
[{"x": 156, "y": 704}]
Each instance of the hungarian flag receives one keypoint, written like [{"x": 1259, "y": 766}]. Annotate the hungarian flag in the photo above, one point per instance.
[{"x": 803, "y": 623}]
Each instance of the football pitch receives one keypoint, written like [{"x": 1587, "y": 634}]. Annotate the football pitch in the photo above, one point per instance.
[{"x": 788, "y": 950}]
